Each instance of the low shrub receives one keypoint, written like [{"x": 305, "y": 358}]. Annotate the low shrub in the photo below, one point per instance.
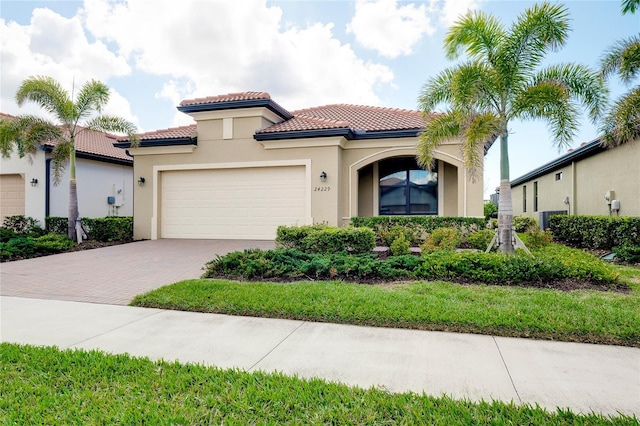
[
  {"x": 387, "y": 237},
  {"x": 6, "y": 235},
  {"x": 292, "y": 236},
  {"x": 627, "y": 253},
  {"x": 53, "y": 243},
  {"x": 490, "y": 210},
  {"x": 326, "y": 239},
  {"x": 105, "y": 229},
  {"x": 447, "y": 239},
  {"x": 419, "y": 226},
  {"x": 595, "y": 232},
  {"x": 551, "y": 263},
  {"x": 23, "y": 225},
  {"x": 17, "y": 247},
  {"x": 400, "y": 246},
  {"x": 480, "y": 239},
  {"x": 524, "y": 223},
  {"x": 536, "y": 238}
]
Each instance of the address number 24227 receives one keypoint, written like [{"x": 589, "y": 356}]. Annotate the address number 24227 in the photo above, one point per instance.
[{"x": 321, "y": 188}]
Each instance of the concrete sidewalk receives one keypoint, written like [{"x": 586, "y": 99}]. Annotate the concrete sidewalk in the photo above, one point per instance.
[{"x": 582, "y": 377}]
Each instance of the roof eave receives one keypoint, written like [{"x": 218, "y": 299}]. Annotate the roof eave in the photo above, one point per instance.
[
  {"x": 159, "y": 142},
  {"x": 303, "y": 134},
  {"x": 245, "y": 103},
  {"x": 580, "y": 153}
]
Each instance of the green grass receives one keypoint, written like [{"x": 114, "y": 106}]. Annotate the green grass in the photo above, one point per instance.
[
  {"x": 48, "y": 386},
  {"x": 580, "y": 316}
]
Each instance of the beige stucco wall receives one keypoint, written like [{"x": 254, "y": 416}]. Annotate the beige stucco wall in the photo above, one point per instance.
[
  {"x": 585, "y": 182},
  {"x": 332, "y": 202}
]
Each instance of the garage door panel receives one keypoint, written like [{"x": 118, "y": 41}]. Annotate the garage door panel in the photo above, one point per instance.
[
  {"x": 232, "y": 203},
  {"x": 12, "y": 196}
]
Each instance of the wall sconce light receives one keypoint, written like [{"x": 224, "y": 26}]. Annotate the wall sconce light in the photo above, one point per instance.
[
  {"x": 34, "y": 182},
  {"x": 141, "y": 181},
  {"x": 323, "y": 177}
]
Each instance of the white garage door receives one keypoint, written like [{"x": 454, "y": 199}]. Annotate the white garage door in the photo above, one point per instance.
[
  {"x": 248, "y": 203},
  {"x": 11, "y": 196}
]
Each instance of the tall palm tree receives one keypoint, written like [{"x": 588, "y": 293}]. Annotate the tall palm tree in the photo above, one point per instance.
[
  {"x": 500, "y": 81},
  {"x": 25, "y": 133}
]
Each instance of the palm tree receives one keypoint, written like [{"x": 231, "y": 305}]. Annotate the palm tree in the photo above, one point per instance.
[
  {"x": 25, "y": 133},
  {"x": 502, "y": 80}
]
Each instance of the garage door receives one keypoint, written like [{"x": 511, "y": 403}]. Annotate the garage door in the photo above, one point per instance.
[
  {"x": 11, "y": 196},
  {"x": 248, "y": 203}
]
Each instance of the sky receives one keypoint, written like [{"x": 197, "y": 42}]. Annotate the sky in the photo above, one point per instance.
[{"x": 155, "y": 53}]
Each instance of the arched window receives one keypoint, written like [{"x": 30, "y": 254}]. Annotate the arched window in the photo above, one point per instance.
[{"x": 407, "y": 189}]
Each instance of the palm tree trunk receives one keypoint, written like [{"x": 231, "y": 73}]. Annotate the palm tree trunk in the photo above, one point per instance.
[
  {"x": 505, "y": 204},
  {"x": 73, "y": 198}
]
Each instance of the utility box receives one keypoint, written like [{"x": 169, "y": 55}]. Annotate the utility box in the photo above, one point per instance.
[
  {"x": 544, "y": 217},
  {"x": 111, "y": 200}
]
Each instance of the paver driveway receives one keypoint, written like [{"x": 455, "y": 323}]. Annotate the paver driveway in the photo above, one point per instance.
[{"x": 114, "y": 275}]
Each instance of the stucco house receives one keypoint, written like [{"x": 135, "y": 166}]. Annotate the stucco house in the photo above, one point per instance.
[
  {"x": 248, "y": 165},
  {"x": 588, "y": 180},
  {"x": 104, "y": 179}
]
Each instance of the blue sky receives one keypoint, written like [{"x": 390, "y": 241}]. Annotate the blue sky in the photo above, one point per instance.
[{"x": 154, "y": 53}]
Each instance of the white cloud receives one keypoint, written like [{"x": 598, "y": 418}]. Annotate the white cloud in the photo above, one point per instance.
[
  {"x": 55, "y": 46},
  {"x": 452, "y": 9},
  {"x": 216, "y": 47},
  {"x": 390, "y": 29},
  {"x": 393, "y": 30}
]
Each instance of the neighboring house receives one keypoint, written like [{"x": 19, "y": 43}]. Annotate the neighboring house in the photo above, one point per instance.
[
  {"x": 248, "y": 165},
  {"x": 584, "y": 181},
  {"x": 103, "y": 171}
]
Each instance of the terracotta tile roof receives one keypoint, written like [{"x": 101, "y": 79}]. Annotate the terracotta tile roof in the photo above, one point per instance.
[
  {"x": 171, "y": 133},
  {"x": 230, "y": 97},
  {"x": 97, "y": 143},
  {"x": 354, "y": 117}
]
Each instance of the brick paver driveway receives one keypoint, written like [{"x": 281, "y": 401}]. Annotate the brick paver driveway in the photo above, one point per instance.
[{"x": 114, "y": 275}]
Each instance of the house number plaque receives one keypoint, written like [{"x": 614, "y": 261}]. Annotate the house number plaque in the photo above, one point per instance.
[{"x": 321, "y": 188}]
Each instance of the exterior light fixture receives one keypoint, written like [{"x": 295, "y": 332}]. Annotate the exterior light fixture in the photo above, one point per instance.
[
  {"x": 141, "y": 181},
  {"x": 34, "y": 182},
  {"x": 323, "y": 177}
]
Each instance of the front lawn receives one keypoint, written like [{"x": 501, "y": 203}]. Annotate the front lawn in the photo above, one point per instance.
[
  {"x": 48, "y": 386},
  {"x": 581, "y": 315}
]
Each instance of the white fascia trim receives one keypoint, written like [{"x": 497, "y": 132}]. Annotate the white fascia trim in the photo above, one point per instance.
[
  {"x": 303, "y": 143},
  {"x": 213, "y": 166},
  {"x": 158, "y": 150}
]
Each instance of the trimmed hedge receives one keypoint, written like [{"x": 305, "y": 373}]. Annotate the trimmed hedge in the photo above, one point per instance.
[
  {"x": 27, "y": 247},
  {"x": 106, "y": 229},
  {"x": 547, "y": 265},
  {"x": 326, "y": 239},
  {"x": 426, "y": 223},
  {"x": 596, "y": 232}
]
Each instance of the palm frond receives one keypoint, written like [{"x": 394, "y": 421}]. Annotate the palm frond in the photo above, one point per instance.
[
  {"x": 581, "y": 83},
  {"x": 25, "y": 133},
  {"x": 479, "y": 33},
  {"x": 474, "y": 88},
  {"x": 439, "y": 129},
  {"x": 93, "y": 96},
  {"x": 108, "y": 123},
  {"x": 436, "y": 90},
  {"x": 623, "y": 59},
  {"x": 540, "y": 29},
  {"x": 48, "y": 94},
  {"x": 481, "y": 131},
  {"x": 630, "y": 6},
  {"x": 59, "y": 158},
  {"x": 622, "y": 123}
]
